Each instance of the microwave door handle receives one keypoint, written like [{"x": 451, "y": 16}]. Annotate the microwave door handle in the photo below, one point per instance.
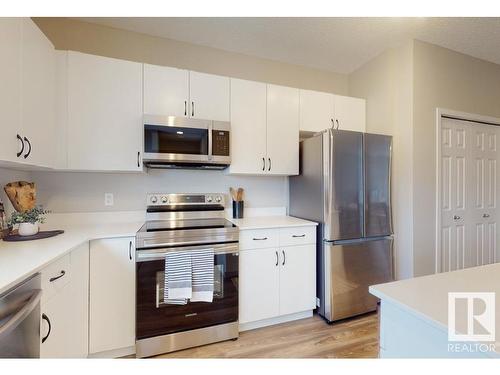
[{"x": 210, "y": 140}]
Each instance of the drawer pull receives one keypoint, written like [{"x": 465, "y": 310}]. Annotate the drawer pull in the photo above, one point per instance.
[
  {"x": 298, "y": 235},
  {"x": 52, "y": 279},
  {"x": 260, "y": 239}
]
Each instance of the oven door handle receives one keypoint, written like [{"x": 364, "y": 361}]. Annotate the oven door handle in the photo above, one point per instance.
[{"x": 156, "y": 254}]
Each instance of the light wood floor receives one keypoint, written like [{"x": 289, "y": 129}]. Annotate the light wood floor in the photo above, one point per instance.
[{"x": 306, "y": 338}]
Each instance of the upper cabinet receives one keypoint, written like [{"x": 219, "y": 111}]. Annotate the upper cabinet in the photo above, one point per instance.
[
  {"x": 282, "y": 130},
  {"x": 209, "y": 96},
  {"x": 177, "y": 92},
  {"x": 27, "y": 93},
  {"x": 316, "y": 110},
  {"x": 104, "y": 113},
  {"x": 264, "y": 129},
  {"x": 166, "y": 91},
  {"x": 320, "y": 110},
  {"x": 350, "y": 113}
]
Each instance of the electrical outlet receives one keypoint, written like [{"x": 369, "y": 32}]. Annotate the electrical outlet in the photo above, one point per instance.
[{"x": 108, "y": 199}]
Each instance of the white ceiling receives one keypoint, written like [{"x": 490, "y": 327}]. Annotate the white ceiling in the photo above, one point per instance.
[{"x": 335, "y": 44}]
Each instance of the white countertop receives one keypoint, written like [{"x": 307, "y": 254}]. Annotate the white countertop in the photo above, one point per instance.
[
  {"x": 263, "y": 222},
  {"x": 427, "y": 297},
  {"x": 19, "y": 260}
]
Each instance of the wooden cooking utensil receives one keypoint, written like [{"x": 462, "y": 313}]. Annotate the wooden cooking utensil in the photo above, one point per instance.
[{"x": 239, "y": 194}]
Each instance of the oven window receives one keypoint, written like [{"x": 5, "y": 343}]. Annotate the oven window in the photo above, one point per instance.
[{"x": 175, "y": 140}]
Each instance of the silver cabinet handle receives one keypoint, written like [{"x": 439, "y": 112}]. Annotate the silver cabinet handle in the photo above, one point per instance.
[
  {"x": 260, "y": 239},
  {"x": 277, "y": 259},
  {"x": 486, "y": 215},
  {"x": 130, "y": 250},
  {"x": 456, "y": 217},
  {"x": 52, "y": 279},
  {"x": 284, "y": 257},
  {"x": 298, "y": 235}
]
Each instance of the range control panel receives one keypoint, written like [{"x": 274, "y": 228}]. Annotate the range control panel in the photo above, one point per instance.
[
  {"x": 160, "y": 199},
  {"x": 220, "y": 143}
]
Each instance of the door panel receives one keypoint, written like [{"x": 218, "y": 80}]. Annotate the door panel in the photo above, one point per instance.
[
  {"x": 209, "y": 96},
  {"x": 259, "y": 296},
  {"x": 345, "y": 220},
  {"x": 377, "y": 185},
  {"x": 316, "y": 110},
  {"x": 350, "y": 269},
  {"x": 297, "y": 279}
]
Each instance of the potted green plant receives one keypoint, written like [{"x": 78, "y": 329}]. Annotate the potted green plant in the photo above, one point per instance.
[{"x": 28, "y": 221}]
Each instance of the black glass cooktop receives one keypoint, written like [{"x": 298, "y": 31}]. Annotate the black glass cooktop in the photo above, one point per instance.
[{"x": 168, "y": 225}]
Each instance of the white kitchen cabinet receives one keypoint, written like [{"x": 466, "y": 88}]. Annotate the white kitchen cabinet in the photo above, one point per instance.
[
  {"x": 258, "y": 285},
  {"x": 166, "y": 91},
  {"x": 38, "y": 96},
  {"x": 10, "y": 90},
  {"x": 64, "y": 304},
  {"x": 282, "y": 130},
  {"x": 350, "y": 113},
  {"x": 316, "y": 110},
  {"x": 112, "y": 294},
  {"x": 278, "y": 283},
  {"x": 248, "y": 127},
  {"x": 104, "y": 109},
  {"x": 297, "y": 279},
  {"x": 209, "y": 96}
]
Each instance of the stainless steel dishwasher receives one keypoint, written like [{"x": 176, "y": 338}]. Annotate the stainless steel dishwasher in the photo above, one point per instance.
[{"x": 20, "y": 320}]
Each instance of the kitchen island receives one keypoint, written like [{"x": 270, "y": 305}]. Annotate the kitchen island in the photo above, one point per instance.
[{"x": 414, "y": 315}]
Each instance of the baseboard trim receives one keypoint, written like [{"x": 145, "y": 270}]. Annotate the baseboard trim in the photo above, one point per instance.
[
  {"x": 276, "y": 320},
  {"x": 115, "y": 353}
]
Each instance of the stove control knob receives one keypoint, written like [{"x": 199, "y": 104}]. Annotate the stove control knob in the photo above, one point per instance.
[
  {"x": 154, "y": 199},
  {"x": 164, "y": 199},
  {"x": 218, "y": 199},
  {"x": 209, "y": 199}
]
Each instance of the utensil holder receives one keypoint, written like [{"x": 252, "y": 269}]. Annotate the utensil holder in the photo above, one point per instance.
[{"x": 238, "y": 209}]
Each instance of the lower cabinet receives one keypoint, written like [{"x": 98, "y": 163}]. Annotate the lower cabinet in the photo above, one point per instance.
[
  {"x": 112, "y": 295},
  {"x": 276, "y": 282},
  {"x": 64, "y": 306}
]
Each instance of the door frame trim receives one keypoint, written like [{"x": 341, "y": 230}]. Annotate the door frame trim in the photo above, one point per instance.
[{"x": 457, "y": 115}]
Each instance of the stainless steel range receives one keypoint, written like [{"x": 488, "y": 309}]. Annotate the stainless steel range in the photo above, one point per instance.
[{"x": 185, "y": 222}]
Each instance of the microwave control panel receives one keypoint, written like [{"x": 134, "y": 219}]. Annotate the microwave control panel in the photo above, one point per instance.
[{"x": 220, "y": 142}]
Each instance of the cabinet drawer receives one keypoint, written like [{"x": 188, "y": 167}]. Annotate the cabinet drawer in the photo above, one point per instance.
[
  {"x": 55, "y": 276},
  {"x": 297, "y": 236},
  {"x": 258, "y": 238}
]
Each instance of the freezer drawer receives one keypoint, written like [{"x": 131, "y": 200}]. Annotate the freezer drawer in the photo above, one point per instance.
[{"x": 350, "y": 268}]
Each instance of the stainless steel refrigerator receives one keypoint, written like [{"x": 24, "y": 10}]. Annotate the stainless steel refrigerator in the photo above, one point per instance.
[{"x": 345, "y": 185}]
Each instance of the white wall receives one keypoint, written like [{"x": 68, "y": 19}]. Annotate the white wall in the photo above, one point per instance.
[
  {"x": 386, "y": 83},
  {"x": 84, "y": 192}
]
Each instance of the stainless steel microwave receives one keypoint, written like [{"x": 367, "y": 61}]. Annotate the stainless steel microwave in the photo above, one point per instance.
[{"x": 179, "y": 142}]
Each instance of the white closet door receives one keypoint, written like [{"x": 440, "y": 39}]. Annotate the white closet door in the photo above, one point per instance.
[
  {"x": 483, "y": 194},
  {"x": 454, "y": 212},
  {"x": 468, "y": 184}
]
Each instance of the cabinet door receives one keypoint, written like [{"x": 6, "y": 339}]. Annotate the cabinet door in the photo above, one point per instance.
[
  {"x": 10, "y": 89},
  {"x": 258, "y": 285},
  {"x": 67, "y": 311},
  {"x": 38, "y": 96},
  {"x": 112, "y": 294},
  {"x": 316, "y": 110},
  {"x": 209, "y": 96},
  {"x": 166, "y": 91},
  {"x": 297, "y": 279},
  {"x": 350, "y": 113},
  {"x": 104, "y": 113},
  {"x": 248, "y": 127},
  {"x": 282, "y": 130}
]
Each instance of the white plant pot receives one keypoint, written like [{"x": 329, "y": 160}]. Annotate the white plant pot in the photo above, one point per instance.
[{"x": 28, "y": 229}]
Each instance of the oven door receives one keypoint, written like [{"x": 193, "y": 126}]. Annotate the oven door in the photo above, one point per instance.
[
  {"x": 177, "y": 139},
  {"x": 155, "y": 318}
]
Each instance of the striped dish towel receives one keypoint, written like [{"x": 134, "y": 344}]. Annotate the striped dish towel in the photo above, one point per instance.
[
  {"x": 178, "y": 284},
  {"x": 203, "y": 275}
]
